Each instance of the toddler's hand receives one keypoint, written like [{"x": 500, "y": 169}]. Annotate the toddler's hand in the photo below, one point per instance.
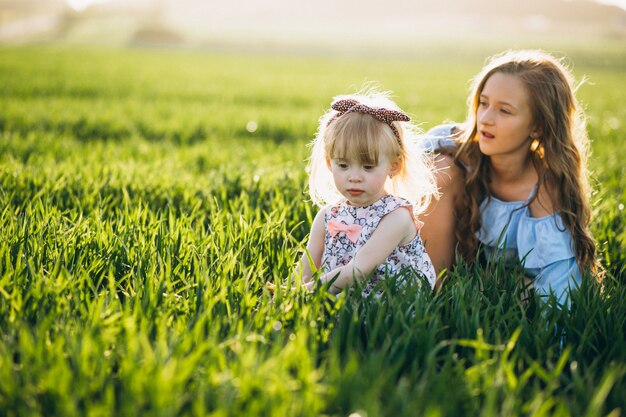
[
  {"x": 309, "y": 286},
  {"x": 270, "y": 287}
]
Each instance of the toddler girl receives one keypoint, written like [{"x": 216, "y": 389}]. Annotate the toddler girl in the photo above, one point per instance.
[{"x": 370, "y": 180}]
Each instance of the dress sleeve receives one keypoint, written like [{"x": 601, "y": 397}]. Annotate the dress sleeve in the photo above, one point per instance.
[
  {"x": 546, "y": 249},
  {"x": 438, "y": 137}
]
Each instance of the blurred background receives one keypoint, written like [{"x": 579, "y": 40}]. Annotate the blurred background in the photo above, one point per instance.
[{"x": 358, "y": 26}]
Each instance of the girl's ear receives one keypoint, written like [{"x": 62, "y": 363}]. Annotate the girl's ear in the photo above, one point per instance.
[
  {"x": 395, "y": 168},
  {"x": 536, "y": 133}
]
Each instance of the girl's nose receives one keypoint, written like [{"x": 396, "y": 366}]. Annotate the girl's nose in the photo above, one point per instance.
[
  {"x": 485, "y": 117},
  {"x": 355, "y": 176}
]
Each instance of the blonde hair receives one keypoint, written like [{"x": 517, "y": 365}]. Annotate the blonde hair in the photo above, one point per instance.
[
  {"x": 559, "y": 155},
  {"x": 361, "y": 137}
]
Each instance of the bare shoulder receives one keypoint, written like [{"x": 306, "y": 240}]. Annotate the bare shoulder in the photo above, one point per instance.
[
  {"x": 322, "y": 212},
  {"x": 320, "y": 219},
  {"x": 399, "y": 223},
  {"x": 401, "y": 217},
  {"x": 543, "y": 204}
]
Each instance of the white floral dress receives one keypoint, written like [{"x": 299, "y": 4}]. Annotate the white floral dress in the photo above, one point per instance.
[{"x": 348, "y": 228}]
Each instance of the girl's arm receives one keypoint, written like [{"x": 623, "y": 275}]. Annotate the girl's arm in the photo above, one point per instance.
[
  {"x": 438, "y": 232},
  {"x": 314, "y": 248},
  {"x": 394, "y": 229}
]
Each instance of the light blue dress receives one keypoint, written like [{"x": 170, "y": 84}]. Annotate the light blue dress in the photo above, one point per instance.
[{"x": 541, "y": 244}]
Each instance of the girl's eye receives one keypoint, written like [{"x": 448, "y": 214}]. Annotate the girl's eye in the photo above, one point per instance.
[
  {"x": 342, "y": 165},
  {"x": 505, "y": 111},
  {"x": 482, "y": 103},
  {"x": 368, "y": 167}
]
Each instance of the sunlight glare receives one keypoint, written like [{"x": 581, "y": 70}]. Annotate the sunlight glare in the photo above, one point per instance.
[
  {"x": 80, "y": 5},
  {"x": 618, "y": 3}
]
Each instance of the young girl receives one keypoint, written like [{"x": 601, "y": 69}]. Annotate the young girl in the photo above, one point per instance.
[
  {"x": 371, "y": 180},
  {"x": 522, "y": 159}
]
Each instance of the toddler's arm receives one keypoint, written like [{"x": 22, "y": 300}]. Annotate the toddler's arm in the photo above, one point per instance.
[
  {"x": 314, "y": 248},
  {"x": 394, "y": 229}
]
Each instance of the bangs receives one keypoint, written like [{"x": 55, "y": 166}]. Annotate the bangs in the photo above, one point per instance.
[{"x": 360, "y": 137}]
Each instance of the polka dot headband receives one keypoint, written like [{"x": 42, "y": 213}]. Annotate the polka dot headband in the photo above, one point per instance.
[{"x": 381, "y": 114}]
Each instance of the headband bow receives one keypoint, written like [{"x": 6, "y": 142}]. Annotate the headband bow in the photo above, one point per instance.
[{"x": 381, "y": 114}]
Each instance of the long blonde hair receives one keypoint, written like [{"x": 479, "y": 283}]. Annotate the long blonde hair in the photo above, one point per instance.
[
  {"x": 559, "y": 155},
  {"x": 362, "y": 137}
]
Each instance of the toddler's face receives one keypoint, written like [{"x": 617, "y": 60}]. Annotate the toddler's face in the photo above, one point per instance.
[{"x": 360, "y": 183}]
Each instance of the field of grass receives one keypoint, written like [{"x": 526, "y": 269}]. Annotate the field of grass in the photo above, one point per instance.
[{"x": 141, "y": 217}]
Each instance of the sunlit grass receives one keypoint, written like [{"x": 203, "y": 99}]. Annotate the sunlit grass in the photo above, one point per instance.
[{"x": 141, "y": 219}]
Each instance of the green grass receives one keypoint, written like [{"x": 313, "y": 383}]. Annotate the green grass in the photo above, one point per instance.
[{"x": 140, "y": 221}]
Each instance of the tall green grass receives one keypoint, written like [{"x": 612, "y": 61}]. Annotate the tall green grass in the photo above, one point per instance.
[{"x": 140, "y": 220}]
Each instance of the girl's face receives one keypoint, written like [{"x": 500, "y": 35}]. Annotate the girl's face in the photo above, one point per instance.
[
  {"x": 503, "y": 118},
  {"x": 361, "y": 184}
]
